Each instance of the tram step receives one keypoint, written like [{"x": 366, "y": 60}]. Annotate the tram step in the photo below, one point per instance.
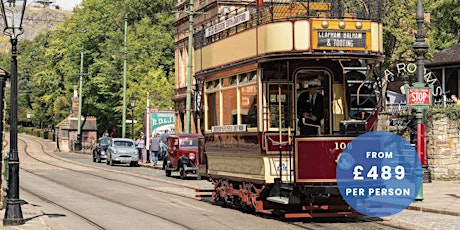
[{"x": 277, "y": 199}]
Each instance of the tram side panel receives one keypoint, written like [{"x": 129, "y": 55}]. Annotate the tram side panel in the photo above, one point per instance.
[
  {"x": 316, "y": 159},
  {"x": 238, "y": 157}
]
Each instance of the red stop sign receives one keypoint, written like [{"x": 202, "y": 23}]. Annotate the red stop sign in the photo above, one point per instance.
[{"x": 419, "y": 96}]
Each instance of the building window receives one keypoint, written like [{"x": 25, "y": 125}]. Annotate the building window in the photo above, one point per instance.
[
  {"x": 85, "y": 136},
  {"x": 65, "y": 133}
]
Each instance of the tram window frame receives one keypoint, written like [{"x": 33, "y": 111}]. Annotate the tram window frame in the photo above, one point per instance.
[
  {"x": 215, "y": 113},
  {"x": 271, "y": 104}
]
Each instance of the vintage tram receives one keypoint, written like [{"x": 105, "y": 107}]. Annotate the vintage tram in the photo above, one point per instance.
[{"x": 253, "y": 65}]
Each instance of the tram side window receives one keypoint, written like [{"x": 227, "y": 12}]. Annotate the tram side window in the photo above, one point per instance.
[
  {"x": 248, "y": 100},
  {"x": 230, "y": 109},
  {"x": 213, "y": 109}
]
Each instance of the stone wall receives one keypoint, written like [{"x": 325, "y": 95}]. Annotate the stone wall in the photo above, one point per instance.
[
  {"x": 443, "y": 136},
  {"x": 443, "y": 147}
]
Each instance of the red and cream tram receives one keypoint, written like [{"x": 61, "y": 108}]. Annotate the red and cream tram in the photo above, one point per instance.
[{"x": 253, "y": 71}]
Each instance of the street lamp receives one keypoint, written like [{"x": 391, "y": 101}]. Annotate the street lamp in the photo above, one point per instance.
[
  {"x": 132, "y": 102},
  {"x": 13, "y": 13},
  {"x": 420, "y": 48}
]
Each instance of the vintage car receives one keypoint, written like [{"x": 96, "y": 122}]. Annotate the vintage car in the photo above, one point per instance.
[
  {"x": 182, "y": 150},
  {"x": 100, "y": 151},
  {"x": 122, "y": 150}
]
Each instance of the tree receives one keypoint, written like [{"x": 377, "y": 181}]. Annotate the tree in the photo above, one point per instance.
[
  {"x": 445, "y": 23},
  {"x": 52, "y": 61}
]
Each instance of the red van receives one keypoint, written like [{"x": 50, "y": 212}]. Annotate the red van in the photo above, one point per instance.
[{"x": 182, "y": 154}]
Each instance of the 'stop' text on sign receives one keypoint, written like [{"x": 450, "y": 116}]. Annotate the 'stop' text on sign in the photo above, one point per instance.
[{"x": 419, "y": 96}]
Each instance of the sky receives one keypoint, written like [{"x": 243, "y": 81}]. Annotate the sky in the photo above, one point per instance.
[{"x": 67, "y": 4}]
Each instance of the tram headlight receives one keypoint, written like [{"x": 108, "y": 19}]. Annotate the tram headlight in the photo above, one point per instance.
[{"x": 191, "y": 156}]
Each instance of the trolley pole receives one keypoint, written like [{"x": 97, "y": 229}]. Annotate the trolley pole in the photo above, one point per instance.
[
  {"x": 125, "y": 52},
  {"x": 188, "y": 102},
  {"x": 420, "y": 48}
]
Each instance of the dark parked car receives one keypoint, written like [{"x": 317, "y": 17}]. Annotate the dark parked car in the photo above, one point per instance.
[
  {"x": 100, "y": 151},
  {"x": 182, "y": 150},
  {"x": 122, "y": 150}
]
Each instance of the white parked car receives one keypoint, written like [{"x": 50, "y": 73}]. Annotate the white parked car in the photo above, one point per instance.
[{"x": 122, "y": 150}]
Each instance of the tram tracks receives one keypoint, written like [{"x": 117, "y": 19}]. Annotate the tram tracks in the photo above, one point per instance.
[
  {"x": 188, "y": 194},
  {"x": 41, "y": 154},
  {"x": 98, "y": 196}
]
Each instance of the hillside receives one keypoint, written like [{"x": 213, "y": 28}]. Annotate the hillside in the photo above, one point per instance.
[{"x": 36, "y": 20}]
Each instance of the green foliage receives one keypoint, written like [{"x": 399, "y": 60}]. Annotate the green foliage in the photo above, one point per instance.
[
  {"x": 445, "y": 23},
  {"x": 451, "y": 112},
  {"x": 398, "y": 31},
  {"x": 52, "y": 63}
]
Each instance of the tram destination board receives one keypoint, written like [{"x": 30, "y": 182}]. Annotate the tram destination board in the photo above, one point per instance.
[{"x": 338, "y": 40}]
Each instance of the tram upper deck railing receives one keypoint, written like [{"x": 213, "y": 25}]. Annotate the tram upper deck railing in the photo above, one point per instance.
[{"x": 237, "y": 16}]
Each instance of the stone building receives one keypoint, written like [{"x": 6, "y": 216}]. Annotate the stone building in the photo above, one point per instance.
[
  {"x": 67, "y": 129},
  {"x": 446, "y": 66}
]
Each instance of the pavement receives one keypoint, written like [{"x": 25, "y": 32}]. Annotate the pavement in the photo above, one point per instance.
[{"x": 442, "y": 197}]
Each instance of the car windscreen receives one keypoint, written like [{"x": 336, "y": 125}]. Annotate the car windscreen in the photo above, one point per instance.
[
  {"x": 104, "y": 141},
  {"x": 123, "y": 143},
  {"x": 188, "y": 142}
]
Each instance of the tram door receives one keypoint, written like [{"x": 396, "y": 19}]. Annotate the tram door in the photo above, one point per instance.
[{"x": 313, "y": 89}]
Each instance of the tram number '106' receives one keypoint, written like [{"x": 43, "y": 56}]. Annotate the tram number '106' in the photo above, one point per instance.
[{"x": 342, "y": 145}]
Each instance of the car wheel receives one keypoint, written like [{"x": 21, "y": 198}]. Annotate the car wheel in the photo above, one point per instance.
[
  {"x": 168, "y": 172},
  {"x": 183, "y": 174}
]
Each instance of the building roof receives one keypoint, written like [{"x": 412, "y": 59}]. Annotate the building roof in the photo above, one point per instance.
[
  {"x": 446, "y": 57},
  {"x": 71, "y": 123}
]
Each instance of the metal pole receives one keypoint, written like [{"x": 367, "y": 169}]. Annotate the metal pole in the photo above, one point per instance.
[
  {"x": 420, "y": 48},
  {"x": 80, "y": 102},
  {"x": 147, "y": 129},
  {"x": 132, "y": 123},
  {"x": 2, "y": 102},
  {"x": 13, "y": 212},
  {"x": 123, "y": 130},
  {"x": 189, "y": 70}
]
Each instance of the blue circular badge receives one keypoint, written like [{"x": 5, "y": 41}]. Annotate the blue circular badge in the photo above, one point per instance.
[{"x": 379, "y": 174}]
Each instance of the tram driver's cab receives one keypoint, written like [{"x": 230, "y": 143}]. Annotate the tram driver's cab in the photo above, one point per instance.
[
  {"x": 287, "y": 103},
  {"x": 310, "y": 105},
  {"x": 320, "y": 102}
]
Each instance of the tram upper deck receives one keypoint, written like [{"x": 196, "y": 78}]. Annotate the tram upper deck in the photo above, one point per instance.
[{"x": 254, "y": 30}]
